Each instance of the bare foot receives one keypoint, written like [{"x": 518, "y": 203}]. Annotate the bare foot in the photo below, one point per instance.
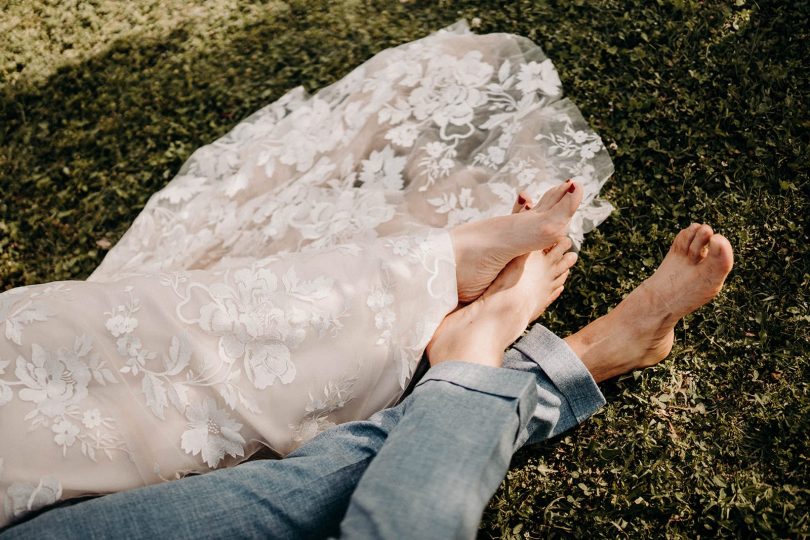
[
  {"x": 484, "y": 248},
  {"x": 481, "y": 331},
  {"x": 639, "y": 332}
]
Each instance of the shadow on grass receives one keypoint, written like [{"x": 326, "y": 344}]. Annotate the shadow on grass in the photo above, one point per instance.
[{"x": 81, "y": 153}]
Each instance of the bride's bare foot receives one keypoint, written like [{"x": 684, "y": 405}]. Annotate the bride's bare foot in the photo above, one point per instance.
[
  {"x": 484, "y": 248},
  {"x": 481, "y": 331},
  {"x": 639, "y": 332}
]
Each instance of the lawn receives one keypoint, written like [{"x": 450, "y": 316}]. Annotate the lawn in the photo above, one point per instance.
[{"x": 702, "y": 103}]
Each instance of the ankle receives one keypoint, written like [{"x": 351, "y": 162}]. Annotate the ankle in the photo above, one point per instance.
[
  {"x": 508, "y": 316},
  {"x": 602, "y": 346},
  {"x": 587, "y": 345},
  {"x": 470, "y": 350},
  {"x": 478, "y": 333}
]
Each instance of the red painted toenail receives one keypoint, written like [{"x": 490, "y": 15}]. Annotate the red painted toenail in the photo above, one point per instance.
[
  {"x": 527, "y": 207},
  {"x": 572, "y": 188},
  {"x": 521, "y": 199},
  {"x": 567, "y": 181}
]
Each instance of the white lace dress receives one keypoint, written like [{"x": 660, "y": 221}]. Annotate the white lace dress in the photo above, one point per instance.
[{"x": 289, "y": 277}]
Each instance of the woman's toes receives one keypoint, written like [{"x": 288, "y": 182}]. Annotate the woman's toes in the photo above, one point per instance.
[
  {"x": 700, "y": 243},
  {"x": 553, "y": 196},
  {"x": 555, "y": 221},
  {"x": 522, "y": 203},
  {"x": 569, "y": 202}
]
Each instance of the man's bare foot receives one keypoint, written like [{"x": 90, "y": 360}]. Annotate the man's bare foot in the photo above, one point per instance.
[
  {"x": 481, "y": 331},
  {"x": 639, "y": 332},
  {"x": 484, "y": 248}
]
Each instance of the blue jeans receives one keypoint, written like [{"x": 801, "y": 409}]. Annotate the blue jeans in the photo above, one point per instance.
[{"x": 423, "y": 469}]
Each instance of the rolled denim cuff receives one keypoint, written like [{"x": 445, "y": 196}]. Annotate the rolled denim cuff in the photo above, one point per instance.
[
  {"x": 565, "y": 370},
  {"x": 504, "y": 383}
]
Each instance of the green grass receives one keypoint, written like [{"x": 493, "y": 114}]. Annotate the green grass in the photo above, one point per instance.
[{"x": 703, "y": 105}]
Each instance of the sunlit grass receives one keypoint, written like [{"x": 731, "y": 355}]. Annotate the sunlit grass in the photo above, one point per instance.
[{"x": 41, "y": 37}]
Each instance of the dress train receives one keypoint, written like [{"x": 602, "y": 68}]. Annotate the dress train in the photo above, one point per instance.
[{"x": 289, "y": 277}]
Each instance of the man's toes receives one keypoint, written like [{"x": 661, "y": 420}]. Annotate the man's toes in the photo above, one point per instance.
[
  {"x": 700, "y": 243},
  {"x": 569, "y": 260},
  {"x": 553, "y": 196},
  {"x": 555, "y": 294},
  {"x": 558, "y": 250},
  {"x": 559, "y": 280},
  {"x": 684, "y": 239},
  {"x": 721, "y": 255},
  {"x": 566, "y": 261}
]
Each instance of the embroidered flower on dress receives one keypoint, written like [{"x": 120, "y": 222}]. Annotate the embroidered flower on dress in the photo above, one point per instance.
[
  {"x": 17, "y": 310},
  {"x": 213, "y": 433},
  {"x": 400, "y": 247},
  {"x": 250, "y": 327},
  {"x": 540, "y": 76},
  {"x": 452, "y": 90},
  {"x": 459, "y": 209},
  {"x": 121, "y": 324},
  {"x": 57, "y": 383},
  {"x": 91, "y": 418},
  {"x": 22, "y": 497},
  {"x": 267, "y": 362},
  {"x": 435, "y": 149},
  {"x": 385, "y": 319},
  {"x": 403, "y": 135},
  {"x": 128, "y": 345},
  {"x": 379, "y": 299},
  {"x": 590, "y": 150},
  {"x": 580, "y": 136},
  {"x": 53, "y": 381},
  {"x": 182, "y": 188},
  {"x": 383, "y": 169},
  {"x": 65, "y": 434},
  {"x": 301, "y": 145},
  {"x": 496, "y": 155}
]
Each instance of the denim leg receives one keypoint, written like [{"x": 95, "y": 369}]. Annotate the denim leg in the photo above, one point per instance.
[
  {"x": 306, "y": 494},
  {"x": 566, "y": 393},
  {"x": 302, "y": 496},
  {"x": 445, "y": 458}
]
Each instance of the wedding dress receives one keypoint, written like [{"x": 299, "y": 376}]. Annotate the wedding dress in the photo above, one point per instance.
[{"x": 289, "y": 277}]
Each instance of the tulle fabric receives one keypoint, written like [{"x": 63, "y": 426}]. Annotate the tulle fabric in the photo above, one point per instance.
[{"x": 289, "y": 277}]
